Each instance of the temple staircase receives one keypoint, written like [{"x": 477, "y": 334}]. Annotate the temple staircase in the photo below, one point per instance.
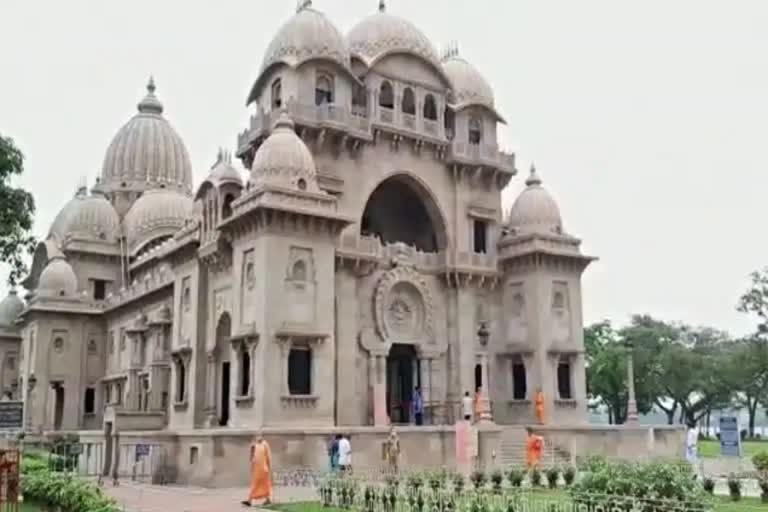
[{"x": 513, "y": 438}]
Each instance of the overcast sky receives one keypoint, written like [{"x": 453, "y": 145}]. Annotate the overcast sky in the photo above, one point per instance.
[{"x": 646, "y": 120}]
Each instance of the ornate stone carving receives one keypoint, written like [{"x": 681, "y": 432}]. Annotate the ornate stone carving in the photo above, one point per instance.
[{"x": 403, "y": 307}]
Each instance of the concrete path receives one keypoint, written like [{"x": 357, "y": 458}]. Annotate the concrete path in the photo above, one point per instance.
[{"x": 134, "y": 497}]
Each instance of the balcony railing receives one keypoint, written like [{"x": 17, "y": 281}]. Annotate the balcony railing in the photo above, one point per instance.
[{"x": 484, "y": 153}]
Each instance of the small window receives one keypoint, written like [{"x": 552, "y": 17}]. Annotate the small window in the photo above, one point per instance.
[
  {"x": 519, "y": 380},
  {"x": 277, "y": 94},
  {"x": 193, "y": 455},
  {"x": 299, "y": 271},
  {"x": 58, "y": 344},
  {"x": 481, "y": 236},
  {"x": 359, "y": 96},
  {"x": 323, "y": 90},
  {"x": 430, "y": 108},
  {"x": 93, "y": 348},
  {"x": 475, "y": 131},
  {"x": 89, "y": 407},
  {"x": 386, "y": 95},
  {"x": 558, "y": 301},
  {"x": 449, "y": 120},
  {"x": 300, "y": 371},
  {"x": 10, "y": 363},
  {"x": 99, "y": 289},
  {"x": 564, "y": 379},
  {"x": 187, "y": 298},
  {"x": 119, "y": 393},
  {"x": 245, "y": 372},
  {"x": 181, "y": 381},
  {"x": 226, "y": 209},
  {"x": 409, "y": 102},
  {"x": 301, "y": 184}
]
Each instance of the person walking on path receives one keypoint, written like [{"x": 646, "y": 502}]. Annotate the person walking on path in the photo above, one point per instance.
[
  {"x": 261, "y": 473},
  {"x": 534, "y": 448},
  {"x": 333, "y": 452},
  {"x": 345, "y": 454}
]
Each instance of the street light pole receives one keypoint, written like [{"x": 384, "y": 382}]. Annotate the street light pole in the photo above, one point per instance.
[
  {"x": 486, "y": 416},
  {"x": 632, "y": 416}
]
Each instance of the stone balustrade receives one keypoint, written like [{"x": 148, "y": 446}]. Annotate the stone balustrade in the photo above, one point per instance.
[{"x": 488, "y": 154}]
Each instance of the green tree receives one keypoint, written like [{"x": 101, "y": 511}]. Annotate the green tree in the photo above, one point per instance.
[
  {"x": 755, "y": 300},
  {"x": 748, "y": 375},
  {"x": 17, "y": 208}
]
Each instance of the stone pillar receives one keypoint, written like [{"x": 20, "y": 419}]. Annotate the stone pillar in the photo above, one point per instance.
[
  {"x": 485, "y": 404},
  {"x": 380, "y": 393},
  {"x": 632, "y": 416}
]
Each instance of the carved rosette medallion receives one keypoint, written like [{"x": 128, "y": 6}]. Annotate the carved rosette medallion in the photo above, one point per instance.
[{"x": 403, "y": 307}]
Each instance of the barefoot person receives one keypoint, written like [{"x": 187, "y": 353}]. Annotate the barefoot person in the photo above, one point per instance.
[
  {"x": 261, "y": 473},
  {"x": 534, "y": 447}
]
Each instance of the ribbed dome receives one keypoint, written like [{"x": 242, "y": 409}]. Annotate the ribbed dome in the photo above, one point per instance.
[
  {"x": 10, "y": 308},
  {"x": 57, "y": 279},
  {"x": 284, "y": 160},
  {"x": 86, "y": 217},
  {"x": 157, "y": 213},
  {"x": 147, "y": 152},
  {"x": 469, "y": 86},
  {"x": 535, "y": 211},
  {"x": 224, "y": 172},
  {"x": 382, "y": 33},
  {"x": 308, "y": 35}
]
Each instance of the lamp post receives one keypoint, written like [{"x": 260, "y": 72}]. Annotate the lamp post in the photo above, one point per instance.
[
  {"x": 632, "y": 417},
  {"x": 31, "y": 383},
  {"x": 485, "y": 405}
]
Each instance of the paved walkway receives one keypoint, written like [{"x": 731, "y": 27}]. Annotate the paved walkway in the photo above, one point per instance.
[{"x": 136, "y": 497}]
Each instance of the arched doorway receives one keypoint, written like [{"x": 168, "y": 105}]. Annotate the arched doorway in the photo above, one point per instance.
[
  {"x": 401, "y": 209},
  {"x": 223, "y": 332},
  {"x": 403, "y": 377}
]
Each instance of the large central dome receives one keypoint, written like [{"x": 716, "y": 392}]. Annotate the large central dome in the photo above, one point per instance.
[{"x": 147, "y": 153}]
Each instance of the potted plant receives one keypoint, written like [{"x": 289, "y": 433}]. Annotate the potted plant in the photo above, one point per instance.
[
  {"x": 535, "y": 477},
  {"x": 458, "y": 483},
  {"x": 569, "y": 475},
  {"x": 497, "y": 477},
  {"x": 709, "y": 485},
  {"x": 734, "y": 487},
  {"x": 552, "y": 474},
  {"x": 478, "y": 479}
]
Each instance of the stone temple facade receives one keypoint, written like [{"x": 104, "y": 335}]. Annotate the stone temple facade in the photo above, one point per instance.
[{"x": 364, "y": 253}]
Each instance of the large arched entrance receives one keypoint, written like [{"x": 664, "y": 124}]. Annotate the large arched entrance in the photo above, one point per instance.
[
  {"x": 401, "y": 209},
  {"x": 223, "y": 332},
  {"x": 403, "y": 377}
]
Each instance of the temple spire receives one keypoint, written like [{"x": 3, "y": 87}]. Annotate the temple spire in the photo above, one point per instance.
[
  {"x": 533, "y": 178},
  {"x": 382, "y": 6},
  {"x": 150, "y": 104}
]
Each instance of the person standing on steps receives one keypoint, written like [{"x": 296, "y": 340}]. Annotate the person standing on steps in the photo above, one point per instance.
[
  {"x": 534, "y": 448},
  {"x": 539, "y": 404}
]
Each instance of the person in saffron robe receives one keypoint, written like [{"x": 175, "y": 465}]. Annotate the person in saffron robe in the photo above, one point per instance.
[
  {"x": 534, "y": 448},
  {"x": 539, "y": 402},
  {"x": 261, "y": 473}
]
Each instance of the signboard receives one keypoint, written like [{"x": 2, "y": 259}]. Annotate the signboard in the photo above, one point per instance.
[
  {"x": 11, "y": 415},
  {"x": 142, "y": 450},
  {"x": 730, "y": 436}
]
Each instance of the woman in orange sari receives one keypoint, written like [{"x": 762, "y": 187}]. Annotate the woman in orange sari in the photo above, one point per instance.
[
  {"x": 539, "y": 406},
  {"x": 261, "y": 473}
]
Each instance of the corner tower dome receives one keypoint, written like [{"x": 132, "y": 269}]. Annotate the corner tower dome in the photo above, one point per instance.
[
  {"x": 468, "y": 85},
  {"x": 57, "y": 279},
  {"x": 308, "y": 35},
  {"x": 535, "y": 211},
  {"x": 383, "y": 34},
  {"x": 147, "y": 152},
  {"x": 10, "y": 308},
  {"x": 86, "y": 217},
  {"x": 284, "y": 160},
  {"x": 155, "y": 216}
]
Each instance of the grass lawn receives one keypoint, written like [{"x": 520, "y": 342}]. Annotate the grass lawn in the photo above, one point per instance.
[
  {"x": 711, "y": 449},
  {"x": 29, "y": 507},
  {"x": 723, "y": 504}
]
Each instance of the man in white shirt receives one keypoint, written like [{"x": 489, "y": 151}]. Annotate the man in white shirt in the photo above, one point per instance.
[
  {"x": 345, "y": 453},
  {"x": 466, "y": 406}
]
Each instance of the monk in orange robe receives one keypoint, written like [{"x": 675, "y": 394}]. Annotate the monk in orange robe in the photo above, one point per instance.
[
  {"x": 261, "y": 473},
  {"x": 539, "y": 403},
  {"x": 534, "y": 448}
]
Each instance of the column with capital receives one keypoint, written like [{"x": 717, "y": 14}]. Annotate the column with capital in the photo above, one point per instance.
[
  {"x": 632, "y": 415},
  {"x": 485, "y": 404}
]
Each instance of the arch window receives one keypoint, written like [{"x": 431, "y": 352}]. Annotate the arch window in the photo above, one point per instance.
[
  {"x": 277, "y": 94},
  {"x": 245, "y": 371},
  {"x": 299, "y": 271},
  {"x": 323, "y": 90},
  {"x": 519, "y": 379},
  {"x": 449, "y": 120},
  {"x": 564, "y": 387},
  {"x": 430, "y": 108},
  {"x": 181, "y": 381},
  {"x": 386, "y": 95},
  {"x": 300, "y": 371},
  {"x": 409, "y": 102},
  {"x": 475, "y": 131},
  {"x": 558, "y": 301},
  {"x": 359, "y": 99},
  {"x": 226, "y": 208}
]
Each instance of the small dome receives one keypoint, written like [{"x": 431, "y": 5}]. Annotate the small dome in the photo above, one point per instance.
[
  {"x": 147, "y": 152},
  {"x": 86, "y": 217},
  {"x": 10, "y": 308},
  {"x": 157, "y": 213},
  {"x": 469, "y": 86},
  {"x": 222, "y": 172},
  {"x": 535, "y": 211},
  {"x": 382, "y": 34},
  {"x": 57, "y": 279},
  {"x": 284, "y": 160},
  {"x": 308, "y": 35}
]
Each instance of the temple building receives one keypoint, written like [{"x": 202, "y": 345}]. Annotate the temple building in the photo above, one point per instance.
[{"x": 361, "y": 252}]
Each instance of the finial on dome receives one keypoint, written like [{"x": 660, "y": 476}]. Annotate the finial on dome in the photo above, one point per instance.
[
  {"x": 382, "y": 6},
  {"x": 284, "y": 121},
  {"x": 150, "y": 103},
  {"x": 82, "y": 187},
  {"x": 303, "y": 4},
  {"x": 451, "y": 51},
  {"x": 533, "y": 178}
]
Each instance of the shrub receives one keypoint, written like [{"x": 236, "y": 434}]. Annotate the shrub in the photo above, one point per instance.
[
  {"x": 65, "y": 491},
  {"x": 552, "y": 474},
  {"x": 535, "y": 477},
  {"x": 515, "y": 477},
  {"x": 569, "y": 475},
  {"x": 497, "y": 477},
  {"x": 478, "y": 479},
  {"x": 763, "y": 483},
  {"x": 734, "y": 487},
  {"x": 415, "y": 481},
  {"x": 760, "y": 461},
  {"x": 709, "y": 485},
  {"x": 458, "y": 482}
]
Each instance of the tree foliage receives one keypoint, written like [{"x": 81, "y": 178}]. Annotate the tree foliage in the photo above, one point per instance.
[{"x": 17, "y": 208}]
